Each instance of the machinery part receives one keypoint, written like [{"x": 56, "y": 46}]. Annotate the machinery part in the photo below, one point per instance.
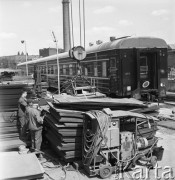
[
  {"x": 153, "y": 161},
  {"x": 126, "y": 145},
  {"x": 158, "y": 152},
  {"x": 93, "y": 140},
  {"x": 141, "y": 159},
  {"x": 145, "y": 84},
  {"x": 105, "y": 171},
  {"x": 142, "y": 143},
  {"x": 136, "y": 159}
]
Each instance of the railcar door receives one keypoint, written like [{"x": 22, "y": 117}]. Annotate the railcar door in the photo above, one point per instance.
[
  {"x": 148, "y": 70},
  {"x": 114, "y": 70}
]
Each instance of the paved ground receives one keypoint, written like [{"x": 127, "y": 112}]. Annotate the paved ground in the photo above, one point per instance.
[
  {"x": 55, "y": 172},
  {"x": 168, "y": 142}
]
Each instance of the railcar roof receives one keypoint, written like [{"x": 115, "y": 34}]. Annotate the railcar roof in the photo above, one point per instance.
[
  {"x": 125, "y": 43},
  {"x": 130, "y": 42}
]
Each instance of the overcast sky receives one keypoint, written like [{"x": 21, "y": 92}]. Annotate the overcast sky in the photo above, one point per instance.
[{"x": 33, "y": 21}]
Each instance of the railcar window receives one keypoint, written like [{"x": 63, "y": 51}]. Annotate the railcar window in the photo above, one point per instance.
[
  {"x": 95, "y": 69},
  {"x": 85, "y": 70},
  {"x": 113, "y": 68},
  {"x": 61, "y": 69},
  {"x": 112, "y": 62},
  {"x": 51, "y": 71},
  {"x": 54, "y": 70},
  {"x": 44, "y": 70},
  {"x": 104, "y": 71},
  {"x": 143, "y": 67},
  {"x": 74, "y": 71},
  {"x": 99, "y": 69},
  {"x": 90, "y": 69},
  {"x": 70, "y": 69},
  {"x": 65, "y": 69}
]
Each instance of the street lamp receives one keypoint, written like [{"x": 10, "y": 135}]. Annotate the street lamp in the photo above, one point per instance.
[
  {"x": 22, "y": 41},
  {"x": 58, "y": 66}
]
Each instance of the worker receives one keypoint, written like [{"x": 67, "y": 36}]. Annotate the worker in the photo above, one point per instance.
[
  {"x": 22, "y": 103},
  {"x": 35, "y": 121}
]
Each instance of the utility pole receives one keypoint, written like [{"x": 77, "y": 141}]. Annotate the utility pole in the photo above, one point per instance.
[{"x": 23, "y": 41}]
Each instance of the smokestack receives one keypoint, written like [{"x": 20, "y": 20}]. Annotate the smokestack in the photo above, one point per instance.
[{"x": 66, "y": 26}]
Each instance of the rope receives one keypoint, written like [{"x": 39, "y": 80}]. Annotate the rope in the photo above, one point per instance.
[
  {"x": 92, "y": 146},
  {"x": 84, "y": 22},
  {"x": 80, "y": 20},
  {"x": 72, "y": 23}
]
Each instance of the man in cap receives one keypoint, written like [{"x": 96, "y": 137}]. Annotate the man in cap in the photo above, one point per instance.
[
  {"x": 22, "y": 103},
  {"x": 35, "y": 121}
]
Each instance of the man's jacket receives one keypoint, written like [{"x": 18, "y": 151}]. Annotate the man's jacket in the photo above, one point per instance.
[
  {"x": 34, "y": 119},
  {"x": 22, "y": 103}
]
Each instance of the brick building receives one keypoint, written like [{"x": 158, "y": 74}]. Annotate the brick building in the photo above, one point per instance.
[
  {"x": 49, "y": 51},
  {"x": 12, "y": 61}
]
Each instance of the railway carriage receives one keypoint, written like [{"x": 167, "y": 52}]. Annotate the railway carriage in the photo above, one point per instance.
[{"x": 124, "y": 67}]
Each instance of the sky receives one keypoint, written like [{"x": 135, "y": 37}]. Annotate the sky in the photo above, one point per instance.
[{"x": 33, "y": 21}]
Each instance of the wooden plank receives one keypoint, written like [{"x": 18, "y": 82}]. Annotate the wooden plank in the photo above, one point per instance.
[
  {"x": 65, "y": 139},
  {"x": 62, "y": 146},
  {"x": 9, "y": 145},
  {"x": 72, "y": 131},
  {"x": 73, "y": 124}
]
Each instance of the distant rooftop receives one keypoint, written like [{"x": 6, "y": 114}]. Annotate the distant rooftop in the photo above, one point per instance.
[
  {"x": 9, "y": 70},
  {"x": 171, "y": 46}
]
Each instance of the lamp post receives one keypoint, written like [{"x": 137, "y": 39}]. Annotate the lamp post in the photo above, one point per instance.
[
  {"x": 26, "y": 56},
  {"x": 58, "y": 66}
]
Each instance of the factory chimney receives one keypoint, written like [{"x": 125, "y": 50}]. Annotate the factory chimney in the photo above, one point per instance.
[{"x": 66, "y": 26}]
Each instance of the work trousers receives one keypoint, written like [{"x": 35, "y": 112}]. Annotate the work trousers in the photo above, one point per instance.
[
  {"x": 36, "y": 138},
  {"x": 22, "y": 128}
]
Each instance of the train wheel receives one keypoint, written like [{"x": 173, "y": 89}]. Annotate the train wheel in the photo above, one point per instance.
[{"x": 105, "y": 171}]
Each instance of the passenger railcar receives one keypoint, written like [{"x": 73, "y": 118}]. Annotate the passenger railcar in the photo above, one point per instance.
[{"x": 124, "y": 67}]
